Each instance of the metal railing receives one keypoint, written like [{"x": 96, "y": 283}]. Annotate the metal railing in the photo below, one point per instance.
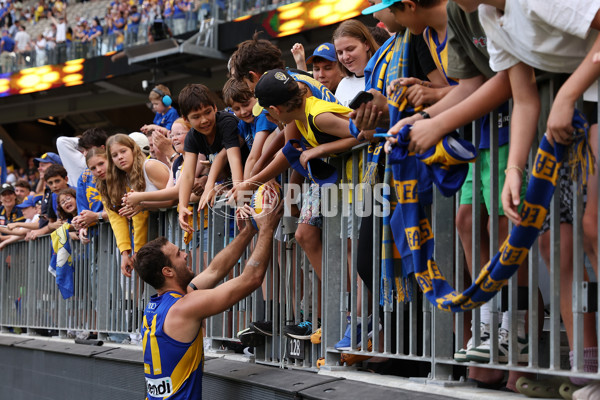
[{"x": 110, "y": 304}]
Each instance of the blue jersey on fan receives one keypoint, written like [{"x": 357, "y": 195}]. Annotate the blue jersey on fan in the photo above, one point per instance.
[
  {"x": 166, "y": 120},
  {"x": 317, "y": 88},
  {"x": 172, "y": 369},
  {"x": 88, "y": 197},
  {"x": 248, "y": 130}
]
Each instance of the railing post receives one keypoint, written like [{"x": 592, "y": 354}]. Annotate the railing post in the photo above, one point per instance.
[
  {"x": 331, "y": 208},
  {"x": 217, "y": 238},
  {"x": 441, "y": 339},
  {"x": 102, "y": 279},
  {"x": 32, "y": 283}
]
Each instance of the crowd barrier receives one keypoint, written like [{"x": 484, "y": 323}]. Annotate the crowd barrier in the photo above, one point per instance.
[{"x": 107, "y": 303}]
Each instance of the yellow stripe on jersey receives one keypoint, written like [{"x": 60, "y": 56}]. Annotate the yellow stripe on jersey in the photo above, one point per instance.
[
  {"x": 191, "y": 360},
  {"x": 154, "y": 349}
]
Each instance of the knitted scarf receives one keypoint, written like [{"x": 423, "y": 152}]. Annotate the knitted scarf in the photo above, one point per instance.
[{"x": 414, "y": 237}]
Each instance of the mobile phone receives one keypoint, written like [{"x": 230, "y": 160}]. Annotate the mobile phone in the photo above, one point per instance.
[{"x": 360, "y": 98}]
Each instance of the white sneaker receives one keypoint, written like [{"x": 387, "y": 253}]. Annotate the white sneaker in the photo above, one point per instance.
[
  {"x": 484, "y": 334},
  {"x": 481, "y": 353}
]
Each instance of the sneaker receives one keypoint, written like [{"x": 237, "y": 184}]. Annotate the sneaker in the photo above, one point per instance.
[
  {"x": 484, "y": 334},
  {"x": 481, "y": 353},
  {"x": 345, "y": 343},
  {"x": 315, "y": 338},
  {"x": 250, "y": 338},
  {"x": 262, "y": 327},
  {"x": 302, "y": 331}
]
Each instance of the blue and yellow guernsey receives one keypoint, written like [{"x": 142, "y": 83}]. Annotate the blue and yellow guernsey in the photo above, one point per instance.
[
  {"x": 316, "y": 88},
  {"x": 88, "y": 197},
  {"x": 173, "y": 369}
]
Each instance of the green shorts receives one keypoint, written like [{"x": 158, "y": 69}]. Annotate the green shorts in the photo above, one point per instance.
[{"x": 466, "y": 192}]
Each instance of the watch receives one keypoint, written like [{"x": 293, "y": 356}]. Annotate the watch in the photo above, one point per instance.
[
  {"x": 425, "y": 114},
  {"x": 173, "y": 156},
  {"x": 100, "y": 219}
]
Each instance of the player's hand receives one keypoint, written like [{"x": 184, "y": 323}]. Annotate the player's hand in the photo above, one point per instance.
[{"x": 272, "y": 210}]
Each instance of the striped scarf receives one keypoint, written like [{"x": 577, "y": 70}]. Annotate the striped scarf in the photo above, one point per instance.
[
  {"x": 412, "y": 229},
  {"x": 397, "y": 66}
]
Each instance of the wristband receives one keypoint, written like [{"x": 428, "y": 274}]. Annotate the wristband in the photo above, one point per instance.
[
  {"x": 99, "y": 214},
  {"x": 513, "y": 167},
  {"x": 192, "y": 286},
  {"x": 173, "y": 156},
  {"x": 424, "y": 114}
]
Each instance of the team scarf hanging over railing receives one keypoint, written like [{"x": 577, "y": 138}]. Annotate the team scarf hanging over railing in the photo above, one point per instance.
[
  {"x": 414, "y": 237},
  {"x": 390, "y": 62},
  {"x": 61, "y": 263}
]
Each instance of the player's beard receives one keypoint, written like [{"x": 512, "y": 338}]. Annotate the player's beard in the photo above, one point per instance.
[{"x": 184, "y": 277}]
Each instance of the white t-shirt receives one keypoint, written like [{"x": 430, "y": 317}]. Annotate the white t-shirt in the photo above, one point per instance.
[
  {"x": 72, "y": 159},
  {"x": 348, "y": 88},
  {"x": 22, "y": 39},
  {"x": 550, "y": 35},
  {"x": 35, "y": 218},
  {"x": 61, "y": 32}
]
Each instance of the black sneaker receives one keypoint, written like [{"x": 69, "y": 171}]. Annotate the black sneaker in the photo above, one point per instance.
[
  {"x": 236, "y": 347},
  {"x": 262, "y": 327},
  {"x": 302, "y": 331},
  {"x": 250, "y": 338}
]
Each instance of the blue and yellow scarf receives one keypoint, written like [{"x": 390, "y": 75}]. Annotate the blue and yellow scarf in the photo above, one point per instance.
[{"x": 413, "y": 234}]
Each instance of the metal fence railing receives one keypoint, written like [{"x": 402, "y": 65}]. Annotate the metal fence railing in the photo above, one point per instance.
[{"x": 110, "y": 304}]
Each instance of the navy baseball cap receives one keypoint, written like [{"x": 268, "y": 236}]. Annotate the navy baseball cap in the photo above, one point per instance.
[
  {"x": 378, "y": 7},
  {"x": 326, "y": 51},
  {"x": 275, "y": 87},
  {"x": 30, "y": 201},
  {"x": 48, "y": 158}
]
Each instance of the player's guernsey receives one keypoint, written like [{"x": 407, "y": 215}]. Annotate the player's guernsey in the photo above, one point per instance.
[{"x": 173, "y": 369}]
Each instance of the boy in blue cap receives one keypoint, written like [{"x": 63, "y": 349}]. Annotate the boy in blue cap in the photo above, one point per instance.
[{"x": 325, "y": 67}]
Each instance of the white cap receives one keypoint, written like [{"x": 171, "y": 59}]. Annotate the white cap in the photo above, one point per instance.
[{"x": 141, "y": 141}]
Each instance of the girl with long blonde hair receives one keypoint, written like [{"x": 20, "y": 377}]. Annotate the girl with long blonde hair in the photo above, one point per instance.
[{"x": 128, "y": 169}]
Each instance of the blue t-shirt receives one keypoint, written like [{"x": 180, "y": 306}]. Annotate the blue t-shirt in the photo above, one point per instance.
[
  {"x": 503, "y": 128},
  {"x": 178, "y": 12},
  {"x": 8, "y": 44},
  {"x": 133, "y": 23},
  {"x": 166, "y": 120},
  {"x": 317, "y": 88},
  {"x": 248, "y": 130}
]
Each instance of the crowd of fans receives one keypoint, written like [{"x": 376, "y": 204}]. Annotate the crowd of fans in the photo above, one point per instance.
[
  {"x": 421, "y": 67},
  {"x": 124, "y": 23}
]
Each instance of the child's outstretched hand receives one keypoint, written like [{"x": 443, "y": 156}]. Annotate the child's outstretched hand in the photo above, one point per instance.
[{"x": 183, "y": 219}]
